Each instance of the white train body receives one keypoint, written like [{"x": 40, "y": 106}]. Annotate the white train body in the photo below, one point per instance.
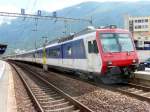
[
  {"x": 98, "y": 51},
  {"x": 91, "y": 63}
]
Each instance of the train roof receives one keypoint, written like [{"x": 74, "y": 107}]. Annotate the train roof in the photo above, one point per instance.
[
  {"x": 79, "y": 35},
  {"x": 87, "y": 31}
]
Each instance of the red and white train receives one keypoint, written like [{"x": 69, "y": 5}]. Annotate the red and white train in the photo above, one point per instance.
[{"x": 108, "y": 53}]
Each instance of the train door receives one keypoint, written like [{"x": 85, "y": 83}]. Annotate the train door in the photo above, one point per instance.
[
  {"x": 94, "y": 61},
  {"x": 67, "y": 55}
]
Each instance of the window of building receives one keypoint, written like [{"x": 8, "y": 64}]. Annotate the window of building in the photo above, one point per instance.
[
  {"x": 146, "y": 26},
  {"x": 146, "y": 38},
  {"x": 142, "y": 26},
  {"x": 142, "y": 21},
  {"x": 139, "y": 26},
  {"x": 139, "y": 21},
  {"x": 141, "y": 43},
  {"x": 136, "y": 21},
  {"x": 146, "y": 20},
  {"x": 131, "y": 22}
]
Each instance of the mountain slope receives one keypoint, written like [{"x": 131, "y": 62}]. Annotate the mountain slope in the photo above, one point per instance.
[{"x": 20, "y": 35}]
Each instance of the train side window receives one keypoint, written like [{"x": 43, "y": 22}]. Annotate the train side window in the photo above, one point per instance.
[
  {"x": 95, "y": 48},
  {"x": 90, "y": 47},
  {"x": 54, "y": 53},
  {"x": 69, "y": 51}
]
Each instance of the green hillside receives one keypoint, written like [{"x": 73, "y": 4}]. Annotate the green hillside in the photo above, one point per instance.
[{"x": 20, "y": 35}]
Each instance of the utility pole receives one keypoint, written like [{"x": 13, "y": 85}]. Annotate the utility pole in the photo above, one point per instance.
[
  {"x": 45, "y": 66},
  {"x": 35, "y": 54}
]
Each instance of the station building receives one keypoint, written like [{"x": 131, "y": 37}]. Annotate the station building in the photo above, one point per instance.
[{"x": 139, "y": 26}]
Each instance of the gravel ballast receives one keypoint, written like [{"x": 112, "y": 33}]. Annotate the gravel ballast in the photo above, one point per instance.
[
  {"x": 24, "y": 103},
  {"x": 96, "y": 98}
]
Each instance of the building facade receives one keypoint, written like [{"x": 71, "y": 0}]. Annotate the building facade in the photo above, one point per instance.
[{"x": 139, "y": 26}]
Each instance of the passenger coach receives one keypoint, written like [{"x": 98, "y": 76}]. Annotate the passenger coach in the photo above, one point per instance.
[{"x": 107, "y": 53}]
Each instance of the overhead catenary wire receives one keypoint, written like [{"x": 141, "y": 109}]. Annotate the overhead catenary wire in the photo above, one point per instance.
[{"x": 33, "y": 16}]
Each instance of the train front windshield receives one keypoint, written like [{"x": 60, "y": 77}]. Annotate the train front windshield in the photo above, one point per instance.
[{"x": 116, "y": 42}]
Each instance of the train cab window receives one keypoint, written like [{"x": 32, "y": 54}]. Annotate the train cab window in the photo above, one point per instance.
[
  {"x": 95, "y": 46},
  {"x": 92, "y": 47}
]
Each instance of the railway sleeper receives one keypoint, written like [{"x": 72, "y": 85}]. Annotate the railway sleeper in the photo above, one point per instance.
[
  {"x": 56, "y": 106},
  {"x": 44, "y": 101},
  {"x": 54, "y": 102},
  {"x": 131, "y": 89},
  {"x": 50, "y": 98},
  {"x": 46, "y": 92},
  {"x": 145, "y": 94},
  {"x": 138, "y": 92},
  {"x": 29, "y": 105},
  {"x": 57, "y": 101},
  {"x": 41, "y": 89},
  {"x": 76, "y": 111},
  {"x": 64, "y": 109}
]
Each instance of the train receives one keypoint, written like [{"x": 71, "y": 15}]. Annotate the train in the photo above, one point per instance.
[{"x": 107, "y": 54}]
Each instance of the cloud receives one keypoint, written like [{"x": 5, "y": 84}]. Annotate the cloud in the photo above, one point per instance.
[
  {"x": 48, "y": 5},
  {"x": 52, "y": 5},
  {"x": 7, "y": 8}
]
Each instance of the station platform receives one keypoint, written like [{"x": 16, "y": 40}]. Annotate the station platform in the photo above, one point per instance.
[
  {"x": 7, "y": 93},
  {"x": 143, "y": 76}
]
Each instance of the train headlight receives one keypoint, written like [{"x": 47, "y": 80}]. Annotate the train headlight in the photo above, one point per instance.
[
  {"x": 134, "y": 61},
  {"x": 109, "y": 63}
]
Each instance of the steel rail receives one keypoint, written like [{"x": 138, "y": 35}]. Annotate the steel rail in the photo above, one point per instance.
[
  {"x": 76, "y": 103},
  {"x": 118, "y": 88},
  {"x": 142, "y": 98},
  {"x": 29, "y": 91}
]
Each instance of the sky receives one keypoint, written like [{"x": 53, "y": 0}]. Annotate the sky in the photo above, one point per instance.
[{"x": 32, "y": 6}]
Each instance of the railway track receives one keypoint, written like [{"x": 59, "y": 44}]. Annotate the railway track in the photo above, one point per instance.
[
  {"x": 138, "y": 91},
  {"x": 134, "y": 90},
  {"x": 45, "y": 96}
]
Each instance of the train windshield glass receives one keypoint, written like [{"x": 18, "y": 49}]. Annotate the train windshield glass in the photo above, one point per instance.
[{"x": 116, "y": 42}]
